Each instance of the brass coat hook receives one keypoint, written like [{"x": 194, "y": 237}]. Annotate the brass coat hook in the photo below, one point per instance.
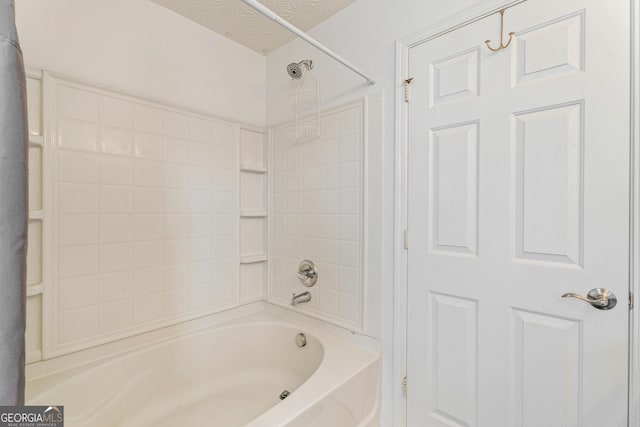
[{"x": 502, "y": 44}]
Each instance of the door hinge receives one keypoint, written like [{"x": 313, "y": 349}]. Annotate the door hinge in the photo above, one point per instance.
[
  {"x": 407, "y": 82},
  {"x": 404, "y": 386},
  {"x": 406, "y": 239},
  {"x": 631, "y": 301}
]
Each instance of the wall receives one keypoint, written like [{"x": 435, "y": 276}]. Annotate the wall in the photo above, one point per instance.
[
  {"x": 145, "y": 49},
  {"x": 365, "y": 34}
]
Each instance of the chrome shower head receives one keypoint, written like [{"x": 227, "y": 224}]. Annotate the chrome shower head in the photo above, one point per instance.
[{"x": 295, "y": 69}]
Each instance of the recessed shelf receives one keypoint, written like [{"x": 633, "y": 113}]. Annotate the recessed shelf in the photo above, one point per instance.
[
  {"x": 35, "y": 289},
  {"x": 252, "y": 259},
  {"x": 36, "y": 214},
  {"x": 36, "y": 140},
  {"x": 253, "y": 169},
  {"x": 253, "y": 214}
]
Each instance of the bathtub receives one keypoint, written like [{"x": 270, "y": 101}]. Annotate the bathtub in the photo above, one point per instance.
[{"x": 216, "y": 373}]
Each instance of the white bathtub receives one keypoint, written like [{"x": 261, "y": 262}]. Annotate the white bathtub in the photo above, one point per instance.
[{"x": 222, "y": 374}]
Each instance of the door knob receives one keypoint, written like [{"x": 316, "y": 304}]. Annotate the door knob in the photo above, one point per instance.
[{"x": 602, "y": 299}]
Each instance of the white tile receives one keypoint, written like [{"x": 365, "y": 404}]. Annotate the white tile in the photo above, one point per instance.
[
  {"x": 349, "y": 254},
  {"x": 224, "y": 157},
  {"x": 147, "y": 308},
  {"x": 201, "y": 178},
  {"x": 148, "y": 173},
  {"x": 201, "y": 273},
  {"x": 147, "y": 254},
  {"x": 349, "y": 175},
  {"x": 115, "y": 257},
  {"x": 202, "y": 296},
  {"x": 202, "y": 225},
  {"x": 176, "y": 201},
  {"x": 349, "y": 201},
  {"x": 308, "y": 248},
  {"x": 223, "y": 225},
  {"x": 201, "y": 201},
  {"x": 116, "y": 141},
  {"x": 328, "y": 227},
  {"x": 77, "y": 261},
  {"x": 294, "y": 245},
  {"x": 200, "y": 130},
  {"x": 116, "y": 170},
  {"x": 294, "y": 180},
  {"x": 224, "y": 247},
  {"x": 294, "y": 225},
  {"x": 309, "y": 154},
  {"x": 77, "y": 292},
  {"x": 328, "y": 301},
  {"x": 350, "y": 227},
  {"x": 328, "y": 201},
  {"x": 201, "y": 249},
  {"x": 116, "y": 315},
  {"x": 147, "y": 119},
  {"x": 279, "y": 202},
  {"x": 147, "y": 227},
  {"x": 116, "y": 286},
  {"x": 116, "y": 199},
  {"x": 224, "y": 269},
  {"x": 176, "y": 124},
  {"x": 310, "y": 226},
  {"x": 77, "y": 324},
  {"x": 77, "y": 103},
  {"x": 176, "y": 150},
  {"x": 280, "y": 245},
  {"x": 148, "y": 146},
  {"x": 280, "y": 182},
  {"x": 350, "y": 121},
  {"x": 329, "y": 153},
  {"x": 329, "y": 126},
  {"x": 176, "y": 226},
  {"x": 202, "y": 154},
  {"x": 77, "y": 229},
  {"x": 147, "y": 281},
  {"x": 279, "y": 163},
  {"x": 349, "y": 307},
  {"x": 328, "y": 177},
  {"x": 177, "y": 302},
  {"x": 116, "y": 112},
  {"x": 77, "y": 167},
  {"x": 148, "y": 201},
  {"x": 294, "y": 203},
  {"x": 176, "y": 251},
  {"x": 224, "y": 201},
  {"x": 280, "y": 225},
  {"x": 75, "y": 135},
  {"x": 311, "y": 178},
  {"x": 176, "y": 175},
  {"x": 328, "y": 251},
  {"x": 350, "y": 148},
  {"x": 293, "y": 158},
  {"x": 349, "y": 280},
  {"x": 224, "y": 134},
  {"x": 176, "y": 276},
  {"x": 327, "y": 276},
  {"x": 309, "y": 201}
]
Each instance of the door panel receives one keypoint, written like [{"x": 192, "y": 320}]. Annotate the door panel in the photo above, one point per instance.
[{"x": 518, "y": 193}]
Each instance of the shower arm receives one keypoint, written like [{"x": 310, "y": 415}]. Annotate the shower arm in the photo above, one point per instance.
[{"x": 260, "y": 8}]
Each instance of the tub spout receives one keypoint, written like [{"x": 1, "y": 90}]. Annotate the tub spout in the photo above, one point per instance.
[{"x": 303, "y": 297}]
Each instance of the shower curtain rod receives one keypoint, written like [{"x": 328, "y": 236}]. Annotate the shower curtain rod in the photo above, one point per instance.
[{"x": 260, "y": 8}]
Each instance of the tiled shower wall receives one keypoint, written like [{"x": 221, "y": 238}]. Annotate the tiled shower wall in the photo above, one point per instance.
[
  {"x": 317, "y": 214},
  {"x": 146, "y": 216}
]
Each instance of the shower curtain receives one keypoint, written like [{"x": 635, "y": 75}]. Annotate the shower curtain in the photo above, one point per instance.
[{"x": 13, "y": 209}]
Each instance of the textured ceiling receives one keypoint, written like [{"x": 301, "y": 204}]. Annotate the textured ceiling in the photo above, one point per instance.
[{"x": 237, "y": 21}]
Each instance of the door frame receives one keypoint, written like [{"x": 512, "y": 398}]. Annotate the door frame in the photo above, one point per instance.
[{"x": 400, "y": 282}]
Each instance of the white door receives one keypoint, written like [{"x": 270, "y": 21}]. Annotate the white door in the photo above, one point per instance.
[{"x": 519, "y": 193}]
